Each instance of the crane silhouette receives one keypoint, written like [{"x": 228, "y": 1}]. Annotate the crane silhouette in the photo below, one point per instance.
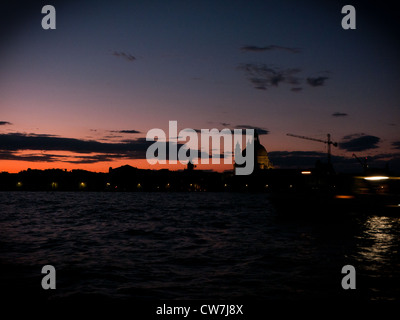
[
  {"x": 363, "y": 163},
  {"x": 329, "y": 142}
]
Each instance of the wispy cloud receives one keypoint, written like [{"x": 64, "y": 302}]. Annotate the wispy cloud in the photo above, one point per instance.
[
  {"x": 317, "y": 81},
  {"x": 93, "y": 158},
  {"x": 48, "y": 157},
  {"x": 124, "y": 55},
  {"x": 111, "y": 137},
  {"x": 269, "y": 48},
  {"x": 10, "y": 155},
  {"x": 125, "y": 131},
  {"x": 396, "y": 144},
  {"x": 259, "y": 130},
  {"x": 263, "y": 76},
  {"x": 4, "y": 123},
  {"x": 339, "y": 114},
  {"x": 353, "y": 136}
]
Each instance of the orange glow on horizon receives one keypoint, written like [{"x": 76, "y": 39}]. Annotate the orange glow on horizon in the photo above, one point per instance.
[{"x": 13, "y": 166}]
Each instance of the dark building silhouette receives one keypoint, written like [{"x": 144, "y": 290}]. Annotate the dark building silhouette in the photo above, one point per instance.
[
  {"x": 264, "y": 178},
  {"x": 261, "y": 159}
]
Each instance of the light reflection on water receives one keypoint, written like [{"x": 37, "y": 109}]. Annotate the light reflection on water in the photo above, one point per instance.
[{"x": 378, "y": 230}]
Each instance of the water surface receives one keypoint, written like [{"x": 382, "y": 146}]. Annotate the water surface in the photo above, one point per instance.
[{"x": 118, "y": 246}]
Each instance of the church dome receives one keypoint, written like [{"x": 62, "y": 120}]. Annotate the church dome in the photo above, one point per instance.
[
  {"x": 260, "y": 155},
  {"x": 261, "y": 151}
]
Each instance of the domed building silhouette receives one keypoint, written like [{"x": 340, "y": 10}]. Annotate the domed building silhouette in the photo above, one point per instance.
[{"x": 261, "y": 158}]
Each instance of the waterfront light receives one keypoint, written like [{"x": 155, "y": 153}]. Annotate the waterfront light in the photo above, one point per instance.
[
  {"x": 344, "y": 196},
  {"x": 376, "y": 178}
]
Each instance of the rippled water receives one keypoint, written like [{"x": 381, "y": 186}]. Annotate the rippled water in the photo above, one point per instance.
[{"x": 190, "y": 246}]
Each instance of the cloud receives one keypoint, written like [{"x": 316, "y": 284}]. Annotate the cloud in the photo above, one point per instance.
[
  {"x": 87, "y": 151},
  {"x": 339, "y": 114},
  {"x": 260, "y": 87},
  {"x": 9, "y": 155},
  {"x": 225, "y": 124},
  {"x": 297, "y": 159},
  {"x": 308, "y": 159},
  {"x": 317, "y": 81},
  {"x": 384, "y": 156},
  {"x": 353, "y": 136},
  {"x": 93, "y": 158},
  {"x": 45, "y": 157},
  {"x": 269, "y": 48},
  {"x": 396, "y": 144},
  {"x": 126, "y": 56},
  {"x": 21, "y": 141},
  {"x": 3, "y": 123},
  {"x": 190, "y": 129},
  {"x": 39, "y": 147},
  {"x": 359, "y": 142},
  {"x": 383, "y": 159},
  {"x": 259, "y": 130},
  {"x": 125, "y": 131},
  {"x": 263, "y": 76}
]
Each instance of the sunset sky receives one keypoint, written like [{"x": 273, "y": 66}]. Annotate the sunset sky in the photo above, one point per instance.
[{"x": 85, "y": 94}]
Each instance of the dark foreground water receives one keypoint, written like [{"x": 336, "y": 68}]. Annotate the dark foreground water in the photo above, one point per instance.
[{"x": 117, "y": 246}]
